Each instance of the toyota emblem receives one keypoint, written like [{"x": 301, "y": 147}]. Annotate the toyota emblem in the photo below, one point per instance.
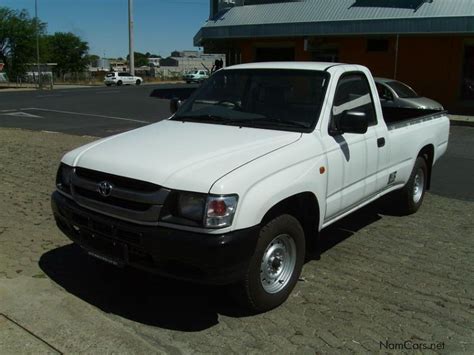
[{"x": 105, "y": 188}]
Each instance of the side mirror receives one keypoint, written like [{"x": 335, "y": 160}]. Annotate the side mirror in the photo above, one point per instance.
[
  {"x": 175, "y": 104},
  {"x": 352, "y": 122}
]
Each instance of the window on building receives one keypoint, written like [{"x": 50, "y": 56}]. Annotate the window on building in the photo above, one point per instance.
[
  {"x": 378, "y": 45},
  {"x": 275, "y": 54}
]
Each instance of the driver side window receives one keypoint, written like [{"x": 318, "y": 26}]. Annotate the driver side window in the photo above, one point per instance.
[{"x": 353, "y": 94}]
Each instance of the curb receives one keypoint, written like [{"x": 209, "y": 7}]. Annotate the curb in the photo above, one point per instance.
[
  {"x": 462, "y": 123},
  {"x": 468, "y": 121}
]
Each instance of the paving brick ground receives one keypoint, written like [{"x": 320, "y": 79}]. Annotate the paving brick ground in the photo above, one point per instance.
[{"x": 382, "y": 278}]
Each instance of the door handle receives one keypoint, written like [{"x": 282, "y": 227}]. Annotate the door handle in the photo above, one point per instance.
[{"x": 380, "y": 142}]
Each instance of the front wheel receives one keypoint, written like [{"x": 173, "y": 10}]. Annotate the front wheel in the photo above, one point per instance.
[
  {"x": 275, "y": 266},
  {"x": 119, "y": 83},
  {"x": 138, "y": 82},
  {"x": 410, "y": 197}
]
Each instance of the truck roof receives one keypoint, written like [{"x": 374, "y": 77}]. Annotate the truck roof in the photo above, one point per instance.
[{"x": 285, "y": 65}]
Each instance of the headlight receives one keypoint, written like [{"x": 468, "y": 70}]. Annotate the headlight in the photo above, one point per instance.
[
  {"x": 63, "y": 178},
  {"x": 191, "y": 206},
  {"x": 201, "y": 210}
]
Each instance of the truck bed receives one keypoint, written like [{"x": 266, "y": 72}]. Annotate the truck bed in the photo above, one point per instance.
[{"x": 396, "y": 117}]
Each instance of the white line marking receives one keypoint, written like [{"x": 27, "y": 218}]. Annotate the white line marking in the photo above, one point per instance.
[
  {"x": 54, "y": 95},
  {"x": 49, "y": 132},
  {"x": 11, "y": 110},
  {"x": 21, "y": 114},
  {"x": 86, "y": 114}
]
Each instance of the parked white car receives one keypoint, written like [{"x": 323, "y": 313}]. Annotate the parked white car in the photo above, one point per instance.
[
  {"x": 122, "y": 78},
  {"x": 196, "y": 76},
  {"x": 268, "y": 155}
]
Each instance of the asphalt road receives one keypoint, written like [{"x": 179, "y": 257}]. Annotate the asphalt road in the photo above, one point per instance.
[
  {"x": 95, "y": 111},
  {"x": 103, "y": 111}
]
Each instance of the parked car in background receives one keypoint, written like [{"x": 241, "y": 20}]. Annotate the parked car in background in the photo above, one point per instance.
[
  {"x": 119, "y": 79},
  {"x": 394, "y": 93},
  {"x": 196, "y": 76}
]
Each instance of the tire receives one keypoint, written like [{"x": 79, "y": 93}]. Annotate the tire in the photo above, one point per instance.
[
  {"x": 188, "y": 82},
  {"x": 281, "y": 249},
  {"x": 119, "y": 83},
  {"x": 138, "y": 82},
  {"x": 410, "y": 197},
  {"x": 108, "y": 84}
]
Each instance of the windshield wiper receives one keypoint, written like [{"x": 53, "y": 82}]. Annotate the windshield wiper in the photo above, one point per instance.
[
  {"x": 199, "y": 117},
  {"x": 270, "y": 121}
]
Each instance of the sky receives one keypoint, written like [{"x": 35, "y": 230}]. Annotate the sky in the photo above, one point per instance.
[{"x": 161, "y": 26}]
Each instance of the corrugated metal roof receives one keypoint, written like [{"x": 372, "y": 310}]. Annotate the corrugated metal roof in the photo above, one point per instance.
[{"x": 342, "y": 17}]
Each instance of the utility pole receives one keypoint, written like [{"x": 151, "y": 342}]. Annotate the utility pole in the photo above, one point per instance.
[
  {"x": 37, "y": 44},
  {"x": 131, "y": 52}
]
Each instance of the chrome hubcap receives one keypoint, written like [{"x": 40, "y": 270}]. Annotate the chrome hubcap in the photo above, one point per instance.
[
  {"x": 278, "y": 263},
  {"x": 418, "y": 185}
]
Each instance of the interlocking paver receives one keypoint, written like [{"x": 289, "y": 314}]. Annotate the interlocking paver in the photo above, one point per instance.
[{"x": 381, "y": 278}]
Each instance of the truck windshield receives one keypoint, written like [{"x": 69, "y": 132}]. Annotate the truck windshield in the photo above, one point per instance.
[
  {"x": 402, "y": 90},
  {"x": 263, "y": 98}
]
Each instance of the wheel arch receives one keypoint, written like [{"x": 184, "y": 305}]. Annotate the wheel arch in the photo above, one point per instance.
[
  {"x": 304, "y": 206},
  {"x": 427, "y": 152}
]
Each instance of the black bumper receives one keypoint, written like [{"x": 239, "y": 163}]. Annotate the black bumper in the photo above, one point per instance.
[{"x": 206, "y": 258}]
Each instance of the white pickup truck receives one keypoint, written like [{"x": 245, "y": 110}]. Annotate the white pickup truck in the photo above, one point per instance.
[{"x": 235, "y": 186}]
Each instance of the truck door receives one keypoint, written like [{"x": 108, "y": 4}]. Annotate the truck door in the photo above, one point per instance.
[{"x": 352, "y": 158}]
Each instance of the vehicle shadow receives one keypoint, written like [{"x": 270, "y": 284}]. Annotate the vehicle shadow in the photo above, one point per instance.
[
  {"x": 348, "y": 226},
  {"x": 157, "y": 301},
  {"x": 139, "y": 296}
]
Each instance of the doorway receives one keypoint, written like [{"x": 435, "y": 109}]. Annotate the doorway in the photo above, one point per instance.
[{"x": 467, "y": 81}]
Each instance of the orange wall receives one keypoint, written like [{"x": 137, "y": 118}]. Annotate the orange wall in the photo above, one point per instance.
[{"x": 432, "y": 65}]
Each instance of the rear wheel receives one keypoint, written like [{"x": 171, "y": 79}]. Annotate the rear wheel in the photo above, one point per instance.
[
  {"x": 119, "y": 83},
  {"x": 275, "y": 266},
  {"x": 138, "y": 82},
  {"x": 411, "y": 196},
  {"x": 108, "y": 84}
]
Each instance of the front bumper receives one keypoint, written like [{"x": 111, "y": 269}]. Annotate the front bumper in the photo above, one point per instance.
[{"x": 205, "y": 258}]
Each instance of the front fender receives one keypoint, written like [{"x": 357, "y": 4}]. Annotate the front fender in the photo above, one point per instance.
[{"x": 265, "y": 182}]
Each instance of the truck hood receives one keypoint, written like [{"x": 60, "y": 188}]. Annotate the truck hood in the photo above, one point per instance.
[{"x": 183, "y": 156}]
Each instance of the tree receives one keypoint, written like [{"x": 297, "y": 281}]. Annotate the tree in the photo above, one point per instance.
[
  {"x": 68, "y": 51},
  {"x": 91, "y": 59},
  {"x": 140, "y": 59},
  {"x": 18, "y": 40}
]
